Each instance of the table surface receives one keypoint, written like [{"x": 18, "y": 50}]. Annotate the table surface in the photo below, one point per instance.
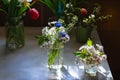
[{"x": 30, "y": 62}]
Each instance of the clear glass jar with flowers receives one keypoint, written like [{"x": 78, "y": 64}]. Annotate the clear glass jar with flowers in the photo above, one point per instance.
[
  {"x": 52, "y": 39},
  {"x": 14, "y": 27},
  {"x": 91, "y": 56}
]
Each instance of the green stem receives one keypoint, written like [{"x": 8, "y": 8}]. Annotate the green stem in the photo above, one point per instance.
[{"x": 54, "y": 53}]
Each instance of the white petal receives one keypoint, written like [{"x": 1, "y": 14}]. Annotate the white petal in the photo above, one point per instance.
[{"x": 29, "y": 0}]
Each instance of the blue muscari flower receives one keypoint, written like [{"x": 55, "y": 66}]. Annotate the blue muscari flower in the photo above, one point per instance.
[
  {"x": 62, "y": 34},
  {"x": 58, "y": 24}
]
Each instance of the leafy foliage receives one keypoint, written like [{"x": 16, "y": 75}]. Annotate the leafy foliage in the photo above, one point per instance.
[
  {"x": 15, "y": 8},
  {"x": 56, "y": 6}
]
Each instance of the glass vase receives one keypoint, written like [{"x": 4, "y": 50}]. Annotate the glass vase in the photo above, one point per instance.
[
  {"x": 83, "y": 32},
  {"x": 14, "y": 33},
  {"x": 91, "y": 69},
  {"x": 55, "y": 61}
]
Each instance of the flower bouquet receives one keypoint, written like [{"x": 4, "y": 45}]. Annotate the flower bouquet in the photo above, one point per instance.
[
  {"x": 91, "y": 56},
  {"x": 88, "y": 19},
  {"x": 14, "y": 10},
  {"x": 53, "y": 39}
]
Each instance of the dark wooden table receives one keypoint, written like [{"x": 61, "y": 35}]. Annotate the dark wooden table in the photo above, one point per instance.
[{"x": 30, "y": 62}]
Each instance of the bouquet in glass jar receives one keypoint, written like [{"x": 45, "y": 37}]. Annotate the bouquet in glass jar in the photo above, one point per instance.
[
  {"x": 16, "y": 8},
  {"x": 53, "y": 38},
  {"x": 14, "y": 27},
  {"x": 91, "y": 56}
]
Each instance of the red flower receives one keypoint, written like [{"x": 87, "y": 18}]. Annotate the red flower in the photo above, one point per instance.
[
  {"x": 83, "y": 11},
  {"x": 34, "y": 14}
]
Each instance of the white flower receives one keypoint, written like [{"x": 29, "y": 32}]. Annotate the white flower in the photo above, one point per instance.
[
  {"x": 83, "y": 47},
  {"x": 21, "y": 1},
  {"x": 104, "y": 57},
  {"x": 61, "y": 21},
  {"x": 96, "y": 54},
  {"x": 52, "y": 23},
  {"x": 70, "y": 24},
  {"x": 67, "y": 5},
  {"x": 52, "y": 35},
  {"x": 65, "y": 39},
  {"x": 52, "y": 31},
  {"x": 29, "y": 0},
  {"x": 100, "y": 48},
  {"x": 74, "y": 19},
  {"x": 61, "y": 29},
  {"x": 45, "y": 30},
  {"x": 85, "y": 20},
  {"x": 92, "y": 16},
  {"x": 91, "y": 50},
  {"x": 9, "y": 0}
]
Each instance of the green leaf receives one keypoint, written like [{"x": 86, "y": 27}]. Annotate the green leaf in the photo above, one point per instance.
[
  {"x": 21, "y": 10},
  {"x": 5, "y": 2},
  {"x": 77, "y": 53},
  {"x": 89, "y": 42},
  {"x": 40, "y": 39}
]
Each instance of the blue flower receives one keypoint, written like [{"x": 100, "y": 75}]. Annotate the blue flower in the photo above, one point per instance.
[
  {"x": 58, "y": 24},
  {"x": 63, "y": 37},
  {"x": 62, "y": 34}
]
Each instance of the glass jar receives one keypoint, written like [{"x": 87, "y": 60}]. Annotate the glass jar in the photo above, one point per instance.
[
  {"x": 83, "y": 32},
  {"x": 55, "y": 61},
  {"x": 14, "y": 33},
  {"x": 91, "y": 69}
]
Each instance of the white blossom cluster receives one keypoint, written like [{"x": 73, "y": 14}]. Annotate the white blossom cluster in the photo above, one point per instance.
[
  {"x": 70, "y": 18},
  {"x": 53, "y": 33},
  {"x": 21, "y": 1},
  {"x": 89, "y": 20},
  {"x": 92, "y": 54}
]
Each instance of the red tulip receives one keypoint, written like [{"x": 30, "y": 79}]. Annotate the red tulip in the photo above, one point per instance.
[
  {"x": 34, "y": 14},
  {"x": 83, "y": 11}
]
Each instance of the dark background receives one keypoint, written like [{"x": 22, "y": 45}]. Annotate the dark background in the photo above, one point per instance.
[{"x": 109, "y": 30}]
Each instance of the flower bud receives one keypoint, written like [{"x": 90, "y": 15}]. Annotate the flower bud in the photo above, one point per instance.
[
  {"x": 83, "y": 11},
  {"x": 58, "y": 24},
  {"x": 34, "y": 14}
]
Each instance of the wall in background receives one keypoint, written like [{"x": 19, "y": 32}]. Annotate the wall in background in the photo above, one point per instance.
[{"x": 109, "y": 32}]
